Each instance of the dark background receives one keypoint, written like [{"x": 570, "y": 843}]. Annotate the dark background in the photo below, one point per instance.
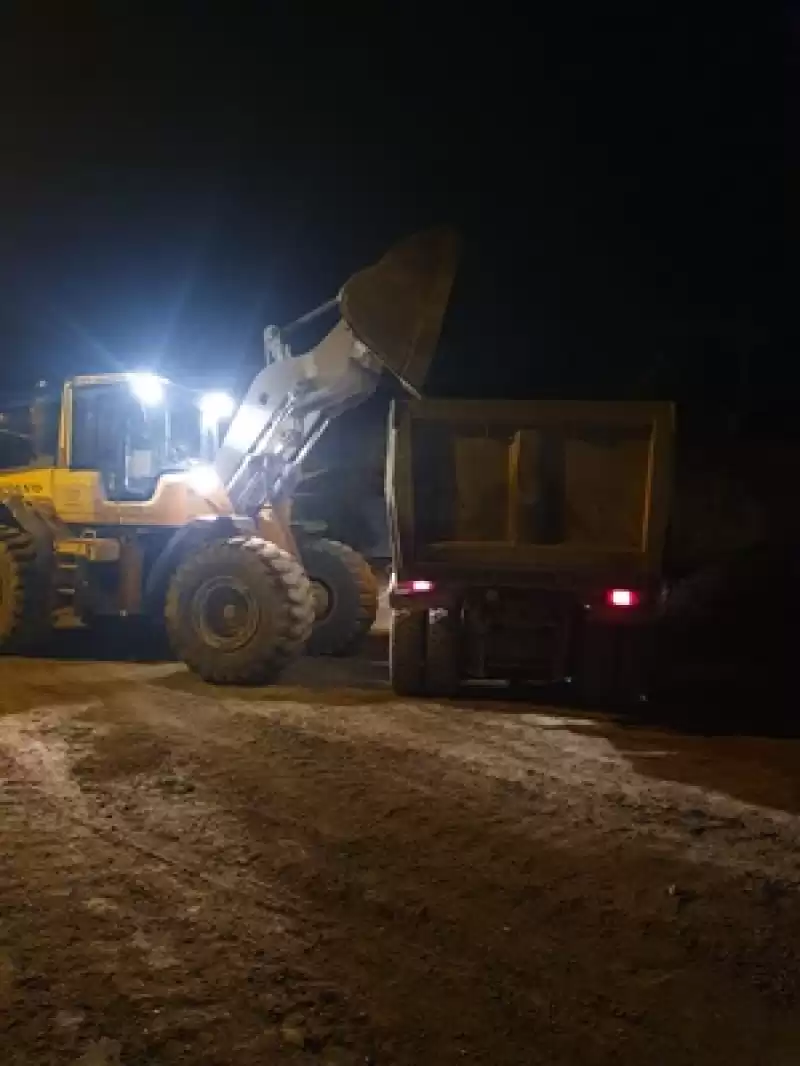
[{"x": 171, "y": 183}]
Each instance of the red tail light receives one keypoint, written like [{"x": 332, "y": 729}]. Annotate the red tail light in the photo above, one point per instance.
[
  {"x": 623, "y": 598},
  {"x": 417, "y": 584}
]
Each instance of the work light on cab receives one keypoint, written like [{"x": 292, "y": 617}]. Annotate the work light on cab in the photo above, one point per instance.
[
  {"x": 147, "y": 388},
  {"x": 216, "y": 407}
]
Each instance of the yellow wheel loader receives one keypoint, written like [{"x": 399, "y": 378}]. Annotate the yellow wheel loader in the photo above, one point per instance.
[{"x": 130, "y": 495}]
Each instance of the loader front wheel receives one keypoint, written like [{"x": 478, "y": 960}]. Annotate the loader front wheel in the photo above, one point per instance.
[
  {"x": 238, "y": 611},
  {"x": 24, "y": 597},
  {"x": 345, "y": 594}
]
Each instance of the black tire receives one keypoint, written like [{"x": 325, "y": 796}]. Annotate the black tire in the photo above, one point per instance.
[
  {"x": 442, "y": 655},
  {"x": 259, "y": 619},
  {"x": 612, "y": 667},
  {"x": 407, "y": 652},
  {"x": 25, "y": 601},
  {"x": 345, "y": 596}
]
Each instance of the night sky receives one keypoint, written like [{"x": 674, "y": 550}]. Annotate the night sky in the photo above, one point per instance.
[{"x": 169, "y": 185}]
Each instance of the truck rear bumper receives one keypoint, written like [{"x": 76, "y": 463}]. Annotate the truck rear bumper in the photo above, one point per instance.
[{"x": 528, "y": 631}]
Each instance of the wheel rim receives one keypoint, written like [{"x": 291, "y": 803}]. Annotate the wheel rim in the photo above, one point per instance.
[
  {"x": 322, "y": 596},
  {"x": 225, "y": 613}
]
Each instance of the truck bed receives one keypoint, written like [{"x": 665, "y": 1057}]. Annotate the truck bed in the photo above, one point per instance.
[{"x": 524, "y": 488}]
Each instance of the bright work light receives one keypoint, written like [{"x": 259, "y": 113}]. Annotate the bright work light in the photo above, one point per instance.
[
  {"x": 147, "y": 388},
  {"x": 215, "y": 407},
  {"x": 203, "y": 479}
]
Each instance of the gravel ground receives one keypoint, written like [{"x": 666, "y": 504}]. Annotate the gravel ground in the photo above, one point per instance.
[{"x": 319, "y": 873}]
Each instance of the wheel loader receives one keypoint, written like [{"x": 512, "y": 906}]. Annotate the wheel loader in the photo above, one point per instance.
[{"x": 128, "y": 495}]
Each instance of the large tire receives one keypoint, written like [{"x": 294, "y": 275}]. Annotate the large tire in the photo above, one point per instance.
[
  {"x": 345, "y": 595},
  {"x": 25, "y": 600},
  {"x": 442, "y": 655},
  {"x": 238, "y": 611},
  {"x": 407, "y": 652}
]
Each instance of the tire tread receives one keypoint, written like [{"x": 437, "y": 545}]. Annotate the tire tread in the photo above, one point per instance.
[
  {"x": 360, "y": 572},
  {"x": 28, "y": 621},
  {"x": 272, "y": 569}
]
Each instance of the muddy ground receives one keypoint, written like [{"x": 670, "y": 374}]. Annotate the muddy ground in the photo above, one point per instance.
[{"x": 320, "y": 873}]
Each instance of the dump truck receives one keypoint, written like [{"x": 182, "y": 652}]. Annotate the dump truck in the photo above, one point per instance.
[{"x": 527, "y": 542}]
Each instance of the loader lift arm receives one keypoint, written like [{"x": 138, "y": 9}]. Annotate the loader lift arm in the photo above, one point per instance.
[{"x": 391, "y": 316}]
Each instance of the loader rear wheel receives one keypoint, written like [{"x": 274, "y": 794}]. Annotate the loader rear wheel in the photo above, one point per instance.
[
  {"x": 345, "y": 596},
  {"x": 407, "y": 652},
  {"x": 238, "y": 611},
  {"x": 24, "y": 597}
]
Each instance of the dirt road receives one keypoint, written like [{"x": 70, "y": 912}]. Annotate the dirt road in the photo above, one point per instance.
[{"x": 323, "y": 874}]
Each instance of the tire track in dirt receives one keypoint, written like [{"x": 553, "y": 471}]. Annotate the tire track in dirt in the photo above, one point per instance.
[
  {"x": 151, "y": 932},
  {"x": 330, "y": 752},
  {"x": 407, "y": 883}
]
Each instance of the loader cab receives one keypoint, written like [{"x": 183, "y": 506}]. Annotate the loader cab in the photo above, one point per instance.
[{"x": 132, "y": 429}]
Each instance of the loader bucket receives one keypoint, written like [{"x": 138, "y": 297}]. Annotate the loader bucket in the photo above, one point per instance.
[{"x": 396, "y": 307}]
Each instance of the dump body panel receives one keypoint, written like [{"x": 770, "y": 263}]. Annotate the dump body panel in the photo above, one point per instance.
[{"x": 528, "y": 489}]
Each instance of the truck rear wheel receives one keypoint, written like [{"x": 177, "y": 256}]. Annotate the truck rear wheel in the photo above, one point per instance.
[
  {"x": 24, "y": 598},
  {"x": 442, "y": 655},
  {"x": 345, "y": 595},
  {"x": 238, "y": 611},
  {"x": 407, "y": 652}
]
